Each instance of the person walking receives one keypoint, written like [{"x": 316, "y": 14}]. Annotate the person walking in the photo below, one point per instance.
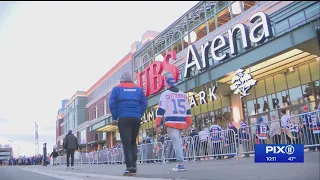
[
  {"x": 275, "y": 130},
  {"x": 174, "y": 106},
  {"x": 70, "y": 144},
  {"x": 285, "y": 118},
  {"x": 54, "y": 156},
  {"x": 127, "y": 104}
]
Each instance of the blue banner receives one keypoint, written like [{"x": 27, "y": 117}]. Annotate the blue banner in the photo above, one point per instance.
[{"x": 279, "y": 153}]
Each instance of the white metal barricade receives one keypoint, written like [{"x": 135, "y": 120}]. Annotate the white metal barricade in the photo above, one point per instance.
[
  {"x": 115, "y": 155},
  {"x": 186, "y": 144},
  {"x": 215, "y": 145},
  {"x": 300, "y": 129},
  {"x": 150, "y": 152}
]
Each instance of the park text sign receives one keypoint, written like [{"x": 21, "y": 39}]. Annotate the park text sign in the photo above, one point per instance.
[{"x": 258, "y": 34}]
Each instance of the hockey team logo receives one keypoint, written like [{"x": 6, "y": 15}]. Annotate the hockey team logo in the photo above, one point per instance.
[{"x": 289, "y": 150}]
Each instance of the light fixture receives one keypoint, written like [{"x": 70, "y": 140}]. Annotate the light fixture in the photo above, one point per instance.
[
  {"x": 159, "y": 57},
  {"x": 291, "y": 69},
  {"x": 193, "y": 37},
  {"x": 236, "y": 7},
  {"x": 236, "y": 114}
]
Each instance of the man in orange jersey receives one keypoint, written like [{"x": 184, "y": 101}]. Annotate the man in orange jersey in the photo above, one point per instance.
[{"x": 175, "y": 109}]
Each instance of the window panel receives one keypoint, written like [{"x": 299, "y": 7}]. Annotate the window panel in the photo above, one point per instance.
[
  {"x": 296, "y": 18},
  {"x": 312, "y": 11},
  {"x": 308, "y": 92},
  {"x": 250, "y": 107},
  {"x": 225, "y": 101},
  {"x": 283, "y": 98},
  {"x": 260, "y": 88},
  {"x": 280, "y": 82},
  {"x": 304, "y": 74},
  {"x": 270, "y": 85},
  {"x": 314, "y": 69},
  {"x": 217, "y": 103},
  {"x": 293, "y": 79},
  {"x": 296, "y": 96}
]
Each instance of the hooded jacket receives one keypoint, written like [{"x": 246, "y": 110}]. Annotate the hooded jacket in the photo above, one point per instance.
[
  {"x": 70, "y": 142},
  {"x": 127, "y": 100}
]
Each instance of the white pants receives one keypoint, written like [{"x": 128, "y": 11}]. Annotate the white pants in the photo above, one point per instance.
[{"x": 175, "y": 137}]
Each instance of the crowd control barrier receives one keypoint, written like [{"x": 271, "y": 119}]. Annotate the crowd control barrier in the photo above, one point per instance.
[{"x": 300, "y": 129}]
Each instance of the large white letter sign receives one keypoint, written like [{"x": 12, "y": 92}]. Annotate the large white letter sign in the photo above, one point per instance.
[
  {"x": 193, "y": 60},
  {"x": 233, "y": 38},
  {"x": 265, "y": 25},
  {"x": 216, "y": 47}
]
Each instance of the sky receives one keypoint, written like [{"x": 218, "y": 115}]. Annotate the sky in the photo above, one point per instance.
[{"x": 50, "y": 50}]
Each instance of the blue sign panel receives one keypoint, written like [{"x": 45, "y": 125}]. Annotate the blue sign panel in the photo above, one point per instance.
[{"x": 279, "y": 153}]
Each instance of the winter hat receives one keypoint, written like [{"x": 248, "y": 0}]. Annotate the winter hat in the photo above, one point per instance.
[
  {"x": 306, "y": 108},
  {"x": 70, "y": 132},
  {"x": 126, "y": 77},
  {"x": 260, "y": 119},
  {"x": 171, "y": 81}
]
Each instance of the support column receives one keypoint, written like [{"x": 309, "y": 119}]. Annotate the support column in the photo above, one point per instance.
[{"x": 237, "y": 109}]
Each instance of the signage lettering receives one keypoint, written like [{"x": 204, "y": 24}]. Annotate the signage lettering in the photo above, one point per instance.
[
  {"x": 193, "y": 101},
  {"x": 275, "y": 149},
  {"x": 258, "y": 34},
  {"x": 212, "y": 91},
  {"x": 149, "y": 116},
  {"x": 152, "y": 75}
]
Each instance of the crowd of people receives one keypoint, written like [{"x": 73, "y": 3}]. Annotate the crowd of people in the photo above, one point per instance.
[{"x": 23, "y": 161}]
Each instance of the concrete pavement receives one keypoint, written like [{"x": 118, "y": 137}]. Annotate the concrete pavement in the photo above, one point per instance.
[
  {"x": 243, "y": 169},
  {"x": 16, "y": 173}
]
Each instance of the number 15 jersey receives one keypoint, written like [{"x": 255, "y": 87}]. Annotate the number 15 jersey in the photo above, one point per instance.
[{"x": 175, "y": 109}]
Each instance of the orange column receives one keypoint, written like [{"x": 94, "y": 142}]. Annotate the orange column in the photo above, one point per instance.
[{"x": 237, "y": 109}]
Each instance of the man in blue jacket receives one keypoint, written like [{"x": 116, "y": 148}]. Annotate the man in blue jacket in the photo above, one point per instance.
[{"x": 127, "y": 104}]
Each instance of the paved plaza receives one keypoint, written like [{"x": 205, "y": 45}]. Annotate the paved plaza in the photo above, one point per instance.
[{"x": 242, "y": 169}]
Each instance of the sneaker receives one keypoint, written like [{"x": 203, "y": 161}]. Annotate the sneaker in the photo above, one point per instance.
[
  {"x": 133, "y": 169},
  {"x": 180, "y": 167},
  {"x": 128, "y": 173}
]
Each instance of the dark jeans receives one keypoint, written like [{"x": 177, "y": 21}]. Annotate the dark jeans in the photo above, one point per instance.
[
  {"x": 129, "y": 130},
  {"x": 70, "y": 152}
]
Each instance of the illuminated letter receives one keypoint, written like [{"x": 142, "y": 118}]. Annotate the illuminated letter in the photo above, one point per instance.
[
  {"x": 156, "y": 79},
  {"x": 265, "y": 25},
  {"x": 233, "y": 38},
  {"x": 216, "y": 47},
  {"x": 193, "y": 60}
]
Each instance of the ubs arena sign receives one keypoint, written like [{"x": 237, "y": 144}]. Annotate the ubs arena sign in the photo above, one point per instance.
[{"x": 220, "y": 42}]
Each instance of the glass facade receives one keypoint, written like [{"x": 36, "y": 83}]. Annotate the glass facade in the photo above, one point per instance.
[{"x": 286, "y": 90}]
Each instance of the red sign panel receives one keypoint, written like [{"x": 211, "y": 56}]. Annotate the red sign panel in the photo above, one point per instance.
[{"x": 154, "y": 80}]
